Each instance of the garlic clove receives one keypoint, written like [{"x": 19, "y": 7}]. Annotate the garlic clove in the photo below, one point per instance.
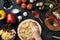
[{"x": 25, "y": 14}]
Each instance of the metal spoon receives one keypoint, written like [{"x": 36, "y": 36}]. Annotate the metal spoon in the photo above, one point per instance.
[
  {"x": 56, "y": 37},
  {"x": 36, "y": 15},
  {"x": 51, "y": 35}
]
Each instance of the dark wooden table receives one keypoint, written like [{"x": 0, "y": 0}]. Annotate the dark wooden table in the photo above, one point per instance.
[{"x": 45, "y": 31}]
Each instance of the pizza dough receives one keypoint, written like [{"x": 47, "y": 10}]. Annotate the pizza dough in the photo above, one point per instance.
[{"x": 24, "y": 29}]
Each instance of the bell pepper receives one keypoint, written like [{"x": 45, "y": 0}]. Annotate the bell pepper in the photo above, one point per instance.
[
  {"x": 11, "y": 18},
  {"x": 2, "y": 14}
]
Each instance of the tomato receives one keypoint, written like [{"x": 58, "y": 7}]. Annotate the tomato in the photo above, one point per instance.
[
  {"x": 29, "y": 6},
  {"x": 24, "y": 1},
  {"x": 18, "y": 1},
  {"x": 23, "y": 5}
]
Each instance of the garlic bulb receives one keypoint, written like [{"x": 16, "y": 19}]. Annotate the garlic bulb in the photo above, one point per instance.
[
  {"x": 20, "y": 18},
  {"x": 25, "y": 14},
  {"x": 51, "y": 5}
]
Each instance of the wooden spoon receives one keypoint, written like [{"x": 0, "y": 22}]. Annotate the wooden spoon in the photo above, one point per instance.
[{"x": 36, "y": 15}]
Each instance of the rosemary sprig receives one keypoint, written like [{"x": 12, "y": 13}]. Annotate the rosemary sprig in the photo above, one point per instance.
[{"x": 48, "y": 2}]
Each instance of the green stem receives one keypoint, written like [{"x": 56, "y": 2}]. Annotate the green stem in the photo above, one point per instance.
[{"x": 9, "y": 25}]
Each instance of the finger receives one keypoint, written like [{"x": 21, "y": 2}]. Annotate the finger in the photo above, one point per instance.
[{"x": 34, "y": 27}]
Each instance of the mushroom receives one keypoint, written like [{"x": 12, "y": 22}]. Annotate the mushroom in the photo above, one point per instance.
[{"x": 20, "y": 18}]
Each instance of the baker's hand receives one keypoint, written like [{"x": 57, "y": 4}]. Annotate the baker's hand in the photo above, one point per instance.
[{"x": 36, "y": 33}]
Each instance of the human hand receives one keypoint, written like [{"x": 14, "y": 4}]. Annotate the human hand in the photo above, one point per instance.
[{"x": 36, "y": 33}]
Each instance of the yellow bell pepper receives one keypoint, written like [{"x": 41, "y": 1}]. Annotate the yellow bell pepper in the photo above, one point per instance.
[{"x": 2, "y": 14}]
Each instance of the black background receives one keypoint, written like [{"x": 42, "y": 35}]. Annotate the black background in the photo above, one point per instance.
[{"x": 45, "y": 31}]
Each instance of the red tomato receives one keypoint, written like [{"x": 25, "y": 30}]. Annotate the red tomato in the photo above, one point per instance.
[
  {"x": 18, "y": 1},
  {"x": 29, "y": 6},
  {"x": 24, "y": 0},
  {"x": 23, "y": 5}
]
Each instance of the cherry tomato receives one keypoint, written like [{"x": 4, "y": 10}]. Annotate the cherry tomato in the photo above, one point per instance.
[
  {"x": 23, "y": 5},
  {"x": 18, "y": 1},
  {"x": 24, "y": 1},
  {"x": 29, "y": 6}
]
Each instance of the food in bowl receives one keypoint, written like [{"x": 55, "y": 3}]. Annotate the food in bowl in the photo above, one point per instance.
[
  {"x": 5, "y": 35},
  {"x": 7, "y": 32},
  {"x": 53, "y": 21},
  {"x": 25, "y": 29}
]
